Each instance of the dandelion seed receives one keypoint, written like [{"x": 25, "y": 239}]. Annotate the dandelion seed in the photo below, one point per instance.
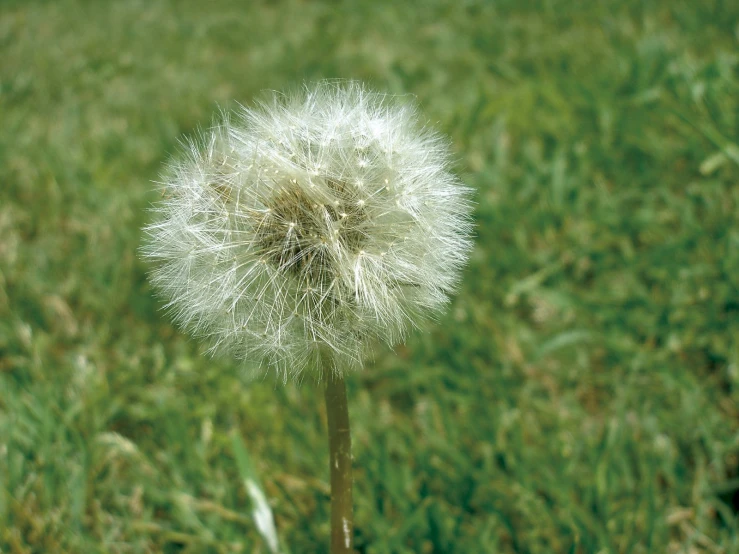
[{"x": 261, "y": 244}]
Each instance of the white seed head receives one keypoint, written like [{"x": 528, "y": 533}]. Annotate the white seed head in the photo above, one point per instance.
[{"x": 309, "y": 227}]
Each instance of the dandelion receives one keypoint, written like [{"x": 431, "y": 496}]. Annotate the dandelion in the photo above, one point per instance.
[{"x": 298, "y": 233}]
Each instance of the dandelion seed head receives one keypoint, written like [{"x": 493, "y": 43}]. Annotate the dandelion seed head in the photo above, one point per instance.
[{"x": 310, "y": 226}]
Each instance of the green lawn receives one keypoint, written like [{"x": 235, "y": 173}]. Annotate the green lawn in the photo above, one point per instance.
[{"x": 581, "y": 395}]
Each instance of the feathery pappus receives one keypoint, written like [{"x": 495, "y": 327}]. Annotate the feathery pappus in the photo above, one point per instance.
[{"x": 310, "y": 226}]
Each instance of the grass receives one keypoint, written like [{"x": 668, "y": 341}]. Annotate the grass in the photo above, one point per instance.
[{"x": 580, "y": 396}]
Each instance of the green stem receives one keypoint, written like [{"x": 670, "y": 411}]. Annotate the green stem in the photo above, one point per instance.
[{"x": 340, "y": 445}]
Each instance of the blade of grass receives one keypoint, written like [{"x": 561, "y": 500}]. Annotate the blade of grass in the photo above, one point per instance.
[{"x": 261, "y": 512}]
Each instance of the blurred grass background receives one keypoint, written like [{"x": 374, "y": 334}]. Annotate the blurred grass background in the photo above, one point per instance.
[{"x": 582, "y": 394}]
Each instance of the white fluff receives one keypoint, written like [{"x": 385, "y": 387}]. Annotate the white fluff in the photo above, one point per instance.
[{"x": 310, "y": 226}]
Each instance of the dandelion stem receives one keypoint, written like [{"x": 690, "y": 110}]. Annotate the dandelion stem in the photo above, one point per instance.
[{"x": 340, "y": 446}]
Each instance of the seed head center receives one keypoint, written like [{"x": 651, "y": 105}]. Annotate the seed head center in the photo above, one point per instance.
[{"x": 307, "y": 232}]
